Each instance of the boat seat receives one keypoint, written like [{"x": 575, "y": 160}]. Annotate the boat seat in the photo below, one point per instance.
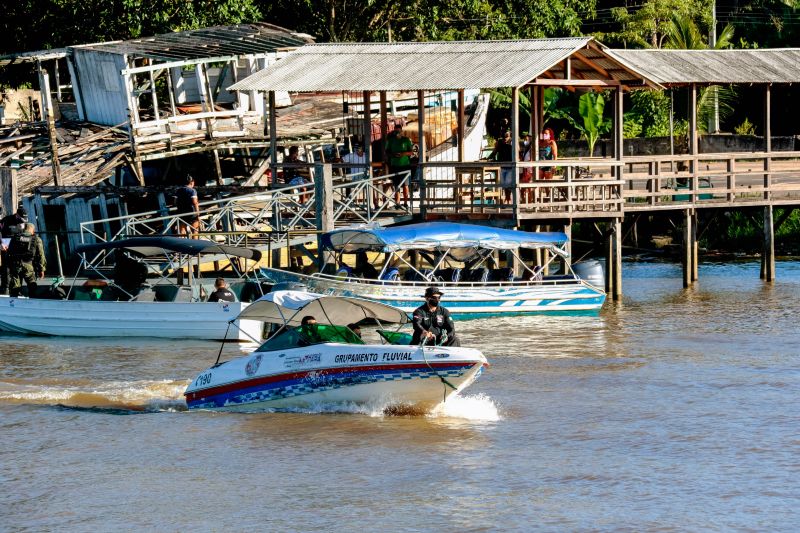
[
  {"x": 450, "y": 274},
  {"x": 183, "y": 294},
  {"x": 395, "y": 337},
  {"x": 392, "y": 274},
  {"x": 480, "y": 275},
  {"x": 502, "y": 274},
  {"x": 145, "y": 295}
]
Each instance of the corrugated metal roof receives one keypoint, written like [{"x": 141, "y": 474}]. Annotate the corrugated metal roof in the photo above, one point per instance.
[
  {"x": 26, "y": 57},
  {"x": 412, "y": 66},
  {"x": 777, "y": 65},
  {"x": 216, "y": 41}
]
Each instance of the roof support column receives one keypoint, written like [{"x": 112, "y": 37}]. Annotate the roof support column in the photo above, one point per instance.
[
  {"x": 423, "y": 150},
  {"x": 460, "y": 130},
  {"x": 368, "y": 131},
  {"x": 693, "y": 137},
  {"x": 273, "y": 138},
  {"x": 767, "y": 141},
  {"x": 515, "y": 150},
  {"x": 48, "y": 116},
  {"x": 384, "y": 125}
]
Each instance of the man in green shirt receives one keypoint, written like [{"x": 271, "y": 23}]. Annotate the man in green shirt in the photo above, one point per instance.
[{"x": 399, "y": 149}]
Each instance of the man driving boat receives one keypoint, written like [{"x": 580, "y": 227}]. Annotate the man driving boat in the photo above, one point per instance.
[{"x": 432, "y": 322}]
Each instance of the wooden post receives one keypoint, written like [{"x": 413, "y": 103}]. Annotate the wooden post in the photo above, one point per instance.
[
  {"x": 768, "y": 255},
  {"x": 688, "y": 247},
  {"x": 133, "y": 120},
  {"x": 617, "y": 291},
  {"x": 368, "y": 131},
  {"x": 323, "y": 185},
  {"x": 273, "y": 138},
  {"x": 8, "y": 190},
  {"x": 461, "y": 126},
  {"x": 767, "y": 142},
  {"x": 384, "y": 125},
  {"x": 610, "y": 259},
  {"x": 693, "y": 143},
  {"x": 695, "y": 246},
  {"x": 515, "y": 151},
  {"x": 423, "y": 149},
  {"x": 48, "y": 115},
  {"x": 58, "y": 80},
  {"x": 568, "y": 232}
]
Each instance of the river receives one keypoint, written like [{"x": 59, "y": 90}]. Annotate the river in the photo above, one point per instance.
[{"x": 673, "y": 410}]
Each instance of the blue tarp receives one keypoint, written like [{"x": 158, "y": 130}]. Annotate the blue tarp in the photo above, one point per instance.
[{"x": 438, "y": 235}]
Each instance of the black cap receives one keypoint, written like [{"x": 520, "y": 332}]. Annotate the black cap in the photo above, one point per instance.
[
  {"x": 430, "y": 291},
  {"x": 21, "y": 211}
]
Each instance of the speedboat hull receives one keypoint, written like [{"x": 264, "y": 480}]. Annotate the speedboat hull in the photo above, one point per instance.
[
  {"x": 386, "y": 375},
  {"x": 174, "y": 320},
  {"x": 465, "y": 300}
]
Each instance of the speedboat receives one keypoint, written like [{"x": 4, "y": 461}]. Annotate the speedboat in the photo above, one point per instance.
[
  {"x": 141, "y": 298},
  {"x": 464, "y": 260},
  {"x": 300, "y": 366}
]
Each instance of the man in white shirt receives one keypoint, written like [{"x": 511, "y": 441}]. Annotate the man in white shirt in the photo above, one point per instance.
[{"x": 357, "y": 157}]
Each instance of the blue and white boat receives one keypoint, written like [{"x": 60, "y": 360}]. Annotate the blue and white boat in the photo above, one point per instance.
[
  {"x": 394, "y": 265},
  {"x": 302, "y": 365}
]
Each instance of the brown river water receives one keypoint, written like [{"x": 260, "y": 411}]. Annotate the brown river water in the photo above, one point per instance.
[{"x": 673, "y": 410}]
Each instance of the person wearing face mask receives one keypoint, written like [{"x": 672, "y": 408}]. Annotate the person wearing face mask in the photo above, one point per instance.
[
  {"x": 432, "y": 322},
  {"x": 548, "y": 151}
]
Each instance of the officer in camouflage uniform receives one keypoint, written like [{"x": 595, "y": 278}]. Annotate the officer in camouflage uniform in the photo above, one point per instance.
[{"x": 26, "y": 261}]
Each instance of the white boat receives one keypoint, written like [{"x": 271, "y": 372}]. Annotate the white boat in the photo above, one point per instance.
[
  {"x": 461, "y": 260},
  {"x": 163, "y": 309},
  {"x": 302, "y": 366}
]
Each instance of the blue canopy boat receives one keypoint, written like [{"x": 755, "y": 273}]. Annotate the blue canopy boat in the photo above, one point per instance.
[{"x": 462, "y": 260}]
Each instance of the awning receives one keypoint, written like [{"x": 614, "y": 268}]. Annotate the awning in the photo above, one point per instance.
[
  {"x": 441, "y": 235},
  {"x": 289, "y": 307},
  {"x": 154, "y": 246}
]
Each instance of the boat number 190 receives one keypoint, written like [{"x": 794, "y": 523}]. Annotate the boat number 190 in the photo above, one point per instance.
[{"x": 203, "y": 379}]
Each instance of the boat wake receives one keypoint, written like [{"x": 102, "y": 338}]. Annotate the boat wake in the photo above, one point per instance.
[
  {"x": 117, "y": 396},
  {"x": 167, "y": 395}
]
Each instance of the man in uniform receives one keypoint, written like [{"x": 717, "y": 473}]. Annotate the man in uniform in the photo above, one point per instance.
[
  {"x": 221, "y": 292},
  {"x": 26, "y": 261},
  {"x": 9, "y": 226},
  {"x": 432, "y": 322}
]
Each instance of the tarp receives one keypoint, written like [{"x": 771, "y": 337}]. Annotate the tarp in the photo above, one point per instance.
[
  {"x": 440, "y": 235},
  {"x": 289, "y": 307},
  {"x": 154, "y": 246}
]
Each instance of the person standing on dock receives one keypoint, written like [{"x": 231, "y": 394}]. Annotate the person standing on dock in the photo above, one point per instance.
[
  {"x": 432, "y": 322},
  {"x": 10, "y": 225},
  {"x": 189, "y": 209},
  {"x": 399, "y": 150},
  {"x": 27, "y": 262},
  {"x": 502, "y": 153}
]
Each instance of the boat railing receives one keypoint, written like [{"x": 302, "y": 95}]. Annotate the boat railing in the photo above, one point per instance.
[{"x": 544, "y": 281}]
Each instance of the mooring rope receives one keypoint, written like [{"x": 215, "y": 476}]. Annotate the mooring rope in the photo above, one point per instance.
[{"x": 443, "y": 380}]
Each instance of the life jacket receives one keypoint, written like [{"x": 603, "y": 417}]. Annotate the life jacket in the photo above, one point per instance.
[{"x": 22, "y": 248}]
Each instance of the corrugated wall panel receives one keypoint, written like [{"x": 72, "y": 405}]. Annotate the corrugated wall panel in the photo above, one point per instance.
[{"x": 102, "y": 86}]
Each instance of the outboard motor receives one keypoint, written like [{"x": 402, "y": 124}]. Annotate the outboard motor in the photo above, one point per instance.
[{"x": 590, "y": 271}]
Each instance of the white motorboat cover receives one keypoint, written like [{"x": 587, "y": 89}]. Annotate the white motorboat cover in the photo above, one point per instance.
[{"x": 289, "y": 307}]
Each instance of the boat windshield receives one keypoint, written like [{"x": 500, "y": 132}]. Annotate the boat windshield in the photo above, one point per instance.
[{"x": 310, "y": 335}]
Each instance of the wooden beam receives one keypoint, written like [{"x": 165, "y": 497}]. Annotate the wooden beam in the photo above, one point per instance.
[
  {"x": 49, "y": 117},
  {"x": 460, "y": 127},
  {"x": 368, "y": 130},
  {"x": 576, "y": 83},
  {"x": 273, "y": 138},
  {"x": 603, "y": 72}
]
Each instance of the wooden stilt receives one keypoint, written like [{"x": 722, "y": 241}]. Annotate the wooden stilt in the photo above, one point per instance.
[
  {"x": 617, "y": 289},
  {"x": 695, "y": 247},
  {"x": 610, "y": 260},
  {"x": 568, "y": 231},
  {"x": 688, "y": 246},
  {"x": 768, "y": 255},
  {"x": 323, "y": 184}
]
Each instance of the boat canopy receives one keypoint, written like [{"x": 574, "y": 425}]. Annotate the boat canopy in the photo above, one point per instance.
[
  {"x": 289, "y": 307},
  {"x": 153, "y": 246},
  {"x": 438, "y": 235}
]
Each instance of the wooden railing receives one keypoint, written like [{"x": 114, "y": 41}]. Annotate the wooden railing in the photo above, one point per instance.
[{"x": 595, "y": 187}]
